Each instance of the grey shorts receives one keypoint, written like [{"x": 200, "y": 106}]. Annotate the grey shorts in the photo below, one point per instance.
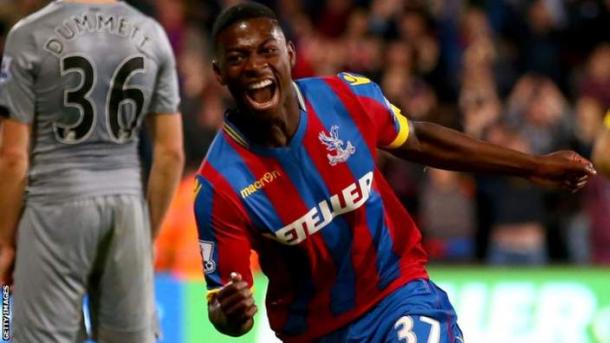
[{"x": 100, "y": 246}]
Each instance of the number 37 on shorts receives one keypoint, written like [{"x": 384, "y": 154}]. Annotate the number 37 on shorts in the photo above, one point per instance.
[{"x": 422, "y": 329}]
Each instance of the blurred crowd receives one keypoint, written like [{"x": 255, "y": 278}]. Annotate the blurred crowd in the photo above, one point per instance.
[{"x": 533, "y": 75}]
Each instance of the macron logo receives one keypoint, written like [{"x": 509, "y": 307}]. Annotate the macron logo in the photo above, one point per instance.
[
  {"x": 349, "y": 199},
  {"x": 260, "y": 183}
]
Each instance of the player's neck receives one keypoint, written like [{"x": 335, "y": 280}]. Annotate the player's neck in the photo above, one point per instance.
[{"x": 275, "y": 131}]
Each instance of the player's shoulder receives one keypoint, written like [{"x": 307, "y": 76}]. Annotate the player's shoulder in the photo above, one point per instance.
[
  {"x": 220, "y": 161},
  {"x": 145, "y": 20},
  {"x": 343, "y": 82},
  {"x": 359, "y": 84},
  {"x": 154, "y": 31},
  {"x": 25, "y": 24},
  {"x": 206, "y": 179}
]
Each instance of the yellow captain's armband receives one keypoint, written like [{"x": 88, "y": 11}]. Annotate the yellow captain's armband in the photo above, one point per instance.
[
  {"x": 403, "y": 128},
  {"x": 355, "y": 80},
  {"x": 607, "y": 120}
]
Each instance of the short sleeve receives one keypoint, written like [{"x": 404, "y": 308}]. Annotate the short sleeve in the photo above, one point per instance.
[
  {"x": 391, "y": 127},
  {"x": 223, "y": 236},
  {"x": 166, "y": 95},
  {"x": 17, "y": 75}
]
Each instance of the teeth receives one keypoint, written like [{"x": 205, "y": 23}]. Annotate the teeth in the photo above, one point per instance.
[{"x": 260, "y": 84}]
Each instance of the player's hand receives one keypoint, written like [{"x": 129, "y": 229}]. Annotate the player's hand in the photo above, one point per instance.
[
  {"x": 233, "y": 307},
  {"x": 7, "y": 262},
  {"x": 563, "y": 169}
]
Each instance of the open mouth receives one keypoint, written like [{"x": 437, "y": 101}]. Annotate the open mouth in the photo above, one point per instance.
[{"x": 262, "y": 95}]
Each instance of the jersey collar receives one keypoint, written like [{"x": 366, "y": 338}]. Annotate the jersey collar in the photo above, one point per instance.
[{"x": 236, "y": 135}]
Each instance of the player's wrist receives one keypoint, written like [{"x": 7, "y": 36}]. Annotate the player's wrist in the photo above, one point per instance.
[
  {"x": 223, "y": 323},
  {"x": 240, "y": 328}
]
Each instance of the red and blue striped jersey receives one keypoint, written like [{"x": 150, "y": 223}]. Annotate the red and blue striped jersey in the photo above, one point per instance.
[{"x": 331, "y": 236}]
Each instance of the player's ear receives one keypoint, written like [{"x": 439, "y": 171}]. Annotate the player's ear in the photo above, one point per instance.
[
  {"x": 292, "y": 54},
  {"x": 217, "y": 72}
]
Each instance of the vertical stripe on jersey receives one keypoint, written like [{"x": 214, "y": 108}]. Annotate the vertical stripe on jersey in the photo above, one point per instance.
[
  {"x": 238, "y": 250},
  {"x": 398, "y": 219},
  {"x": 345, "y": 107},
  {"x": 387, "y": 118},
  {"x": 337, "y": 235},
  {"x": 313, "y": 249},
  {"x": 361, "y": 252},
  {"x": 283, "y": 265},
  {"x": 203, "y": 213},
  {"x": 290, "y": 285},
  {"x": 259, "y": 207},
  {"x": 390, "y": 263}
]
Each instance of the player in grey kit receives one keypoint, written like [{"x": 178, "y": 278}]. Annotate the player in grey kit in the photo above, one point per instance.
[{"x": 78, "y": 79}]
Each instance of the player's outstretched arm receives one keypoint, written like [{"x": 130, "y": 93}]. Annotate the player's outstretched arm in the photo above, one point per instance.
[
  {"x": 167, "y": 166},
  {"x": 232, "y": 308},
  {"x": 601, "y": 148},
  {"x": 440, "y": 147},
  {"x": 14, "y": 152}
]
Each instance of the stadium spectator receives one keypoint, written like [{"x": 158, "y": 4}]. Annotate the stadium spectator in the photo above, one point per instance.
[
  {"x": 601, "y": 157},
  {"x": 597, "y": 207},
  {"x": 538, "y": 110},
  {"x": 597, "y": 197},
  {"x": 540, "y": 40},
  {"x": 447, "y": 216},
  {"x": 516, "y": 208},
  {"x": 588, "y": 121},
  {"x": 596, "y": 82}
]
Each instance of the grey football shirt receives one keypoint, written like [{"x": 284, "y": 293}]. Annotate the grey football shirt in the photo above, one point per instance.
[{"x": 85, "y": 76}]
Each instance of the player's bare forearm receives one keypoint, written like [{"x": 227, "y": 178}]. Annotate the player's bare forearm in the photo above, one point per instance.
[
  {"x": 601, "y": 152},
  {"x": 444, "y": 148},
  {"x": 164, "y": 178},
  {"x": 14, "y": 159},
  {"x": 167, "y": 167},
  {"x": 13, "y": 171}
]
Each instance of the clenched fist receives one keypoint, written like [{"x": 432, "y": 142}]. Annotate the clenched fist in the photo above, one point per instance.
[
  {"x": 232, "y": 309},
  {"x": 563, "y": 169}
]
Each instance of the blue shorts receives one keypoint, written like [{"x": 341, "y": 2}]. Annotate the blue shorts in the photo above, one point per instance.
[{"x": 417, "y": 312}]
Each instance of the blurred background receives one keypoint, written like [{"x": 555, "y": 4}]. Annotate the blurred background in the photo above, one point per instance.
[{"x": 533, "y": 75}]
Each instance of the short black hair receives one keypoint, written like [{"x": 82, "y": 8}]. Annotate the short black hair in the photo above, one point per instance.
[{"x": 240, "y": 12}]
